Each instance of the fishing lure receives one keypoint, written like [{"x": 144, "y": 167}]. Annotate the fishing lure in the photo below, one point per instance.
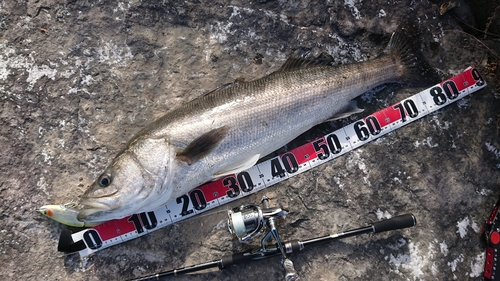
[{"x": 64, "y": 214}]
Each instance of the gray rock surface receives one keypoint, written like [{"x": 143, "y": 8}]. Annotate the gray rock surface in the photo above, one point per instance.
[{"x": 79, "y": 78}]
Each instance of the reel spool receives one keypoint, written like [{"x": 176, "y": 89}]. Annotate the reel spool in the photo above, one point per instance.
[{"x": 247, "y": 221}]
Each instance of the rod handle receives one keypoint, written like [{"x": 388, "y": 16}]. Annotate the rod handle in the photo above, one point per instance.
[
  {"x": 233, "y": 259},
  {"x": 399, "y": 222}
]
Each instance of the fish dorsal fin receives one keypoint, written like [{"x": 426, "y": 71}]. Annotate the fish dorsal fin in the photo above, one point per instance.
[
  {"x": 225, "y": 86},
  {"x": 202, "y": 145},
  {"x": 348, "y": 110},
  {"x": 238, "y": 167},
  {"x": 296, "y": 61}
]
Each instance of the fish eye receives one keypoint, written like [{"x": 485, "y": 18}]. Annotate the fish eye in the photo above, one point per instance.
[{"x": 104, "y": 180}]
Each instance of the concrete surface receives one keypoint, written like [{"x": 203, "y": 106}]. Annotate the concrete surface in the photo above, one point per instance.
[{"x": 79, "y": 78}]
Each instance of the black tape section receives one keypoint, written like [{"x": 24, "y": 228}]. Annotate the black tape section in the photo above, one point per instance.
[{"x": 66, "y": 243}]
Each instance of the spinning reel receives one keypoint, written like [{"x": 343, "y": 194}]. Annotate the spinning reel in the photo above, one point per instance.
[{"x": 247, "y": 221}]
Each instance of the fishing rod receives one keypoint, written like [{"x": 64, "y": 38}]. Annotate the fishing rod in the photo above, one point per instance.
[{"x": 247, "y": 221}]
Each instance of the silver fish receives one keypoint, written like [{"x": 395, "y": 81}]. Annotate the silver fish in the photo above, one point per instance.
[{"x": 227, "y": 130}]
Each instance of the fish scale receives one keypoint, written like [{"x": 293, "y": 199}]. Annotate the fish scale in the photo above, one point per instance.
[{"x": 276, "y": 114}]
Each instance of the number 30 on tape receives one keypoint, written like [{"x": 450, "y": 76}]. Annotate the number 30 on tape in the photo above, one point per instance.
[{"x": 265, "y": 174}]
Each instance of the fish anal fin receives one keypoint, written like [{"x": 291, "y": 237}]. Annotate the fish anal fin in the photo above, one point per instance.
[
  {"x": 348, "y": 110},
  {"x": 202, "y": 145},
  {"x": 238, "y": 167}
]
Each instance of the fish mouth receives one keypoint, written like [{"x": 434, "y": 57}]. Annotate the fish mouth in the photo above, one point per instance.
[
  {"x": 90, "y": 215},
  {"x": 92, "y": 209},
  {"x": 87, "y": 215},
  {"x": 95, "y": 204}
]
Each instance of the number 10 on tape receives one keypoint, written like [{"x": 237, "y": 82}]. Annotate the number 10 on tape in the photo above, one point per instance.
[{"x": 277, "y": 169}]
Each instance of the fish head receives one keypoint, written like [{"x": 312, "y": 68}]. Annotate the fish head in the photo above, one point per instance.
[{"x": 138, "y": 180}]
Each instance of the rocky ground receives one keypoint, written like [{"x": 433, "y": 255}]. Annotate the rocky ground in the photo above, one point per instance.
[{"x": 79, "y": 78}]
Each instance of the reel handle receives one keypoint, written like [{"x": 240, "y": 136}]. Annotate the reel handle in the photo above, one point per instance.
[
  {"x": 290, "y": 272},
  {"x": 399, "y": 222}
]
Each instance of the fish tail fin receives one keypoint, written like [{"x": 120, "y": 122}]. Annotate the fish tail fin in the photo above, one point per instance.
[{"x": 413, "y": 67}]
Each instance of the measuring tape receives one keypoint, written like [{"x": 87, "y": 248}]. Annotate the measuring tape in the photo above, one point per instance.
[
  {"x": 275, "y": 170},
  {"x": 492, "y": 235}
]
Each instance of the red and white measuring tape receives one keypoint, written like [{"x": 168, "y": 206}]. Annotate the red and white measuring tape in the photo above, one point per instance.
[{"x": 265, "y": 174}]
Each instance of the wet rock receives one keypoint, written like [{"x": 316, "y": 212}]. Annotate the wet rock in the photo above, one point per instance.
[{"x": 78, "y": 79}]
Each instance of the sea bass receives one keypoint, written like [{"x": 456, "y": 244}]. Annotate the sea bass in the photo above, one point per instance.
[{"x": 227, "y": 130}]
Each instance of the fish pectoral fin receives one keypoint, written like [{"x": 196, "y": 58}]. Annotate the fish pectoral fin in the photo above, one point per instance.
[
  {"x": 202, "y": 145},
  {"x": 348, "y": 110},
  {"x": 238, "y": 167}
]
